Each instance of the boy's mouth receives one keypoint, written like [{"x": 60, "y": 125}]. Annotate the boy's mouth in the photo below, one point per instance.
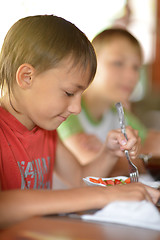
[{"x": 62, "y": 119}]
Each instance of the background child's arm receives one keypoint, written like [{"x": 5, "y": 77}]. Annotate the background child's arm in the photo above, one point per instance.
[
  {"x": 69, "y": 168},
  {"x": 151, "y": 143},
  {"x": 84, "y": 146}
]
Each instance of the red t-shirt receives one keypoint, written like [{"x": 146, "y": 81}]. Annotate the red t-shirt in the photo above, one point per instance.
[{"x": 26, "y": 157}]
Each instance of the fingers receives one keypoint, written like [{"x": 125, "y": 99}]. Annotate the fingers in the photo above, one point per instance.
[
  {"x": 137, "y": 192},
  {"x": 154, "y": 193},
  {"x": 135, "y": 149},
  {"x": 132, "y": 136},
  {"x": 133, "y": 144},
  {"x": 116, "y": 141},
  {"x": 144, "y": 192}
]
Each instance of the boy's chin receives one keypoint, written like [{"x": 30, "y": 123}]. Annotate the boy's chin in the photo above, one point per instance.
[{"x": 49, "y": 127}]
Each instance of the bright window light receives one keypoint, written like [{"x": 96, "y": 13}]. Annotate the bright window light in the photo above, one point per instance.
[{"x": 91, "y": 16}]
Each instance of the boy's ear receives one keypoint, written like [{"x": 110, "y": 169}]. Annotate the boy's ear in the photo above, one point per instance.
[{"x": 24, "y": 75}]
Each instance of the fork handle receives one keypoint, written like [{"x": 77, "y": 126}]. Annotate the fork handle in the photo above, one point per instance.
[
  {"x": 124, "y": 132},
  {"x": 127, "y": 155},
  {"x": 126, "y": 151}
]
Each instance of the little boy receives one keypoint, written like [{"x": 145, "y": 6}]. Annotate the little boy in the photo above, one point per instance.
[
  {"x": 46, "y": 63},
  {"x": 119, "y": 60}
]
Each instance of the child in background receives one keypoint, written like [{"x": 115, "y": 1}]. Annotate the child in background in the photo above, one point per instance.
[
  {"x": 46, "y": 63},
  {"x": 119, "y": 59}
]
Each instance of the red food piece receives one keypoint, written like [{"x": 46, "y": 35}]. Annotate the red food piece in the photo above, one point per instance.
[
  {"x": 128, "y": 180},
  {"x": 101, "y": 181},
  {"x": 110, "y": 182},
  {"x": 93, "y": 180},
  {"x": 117, "y": 181}
]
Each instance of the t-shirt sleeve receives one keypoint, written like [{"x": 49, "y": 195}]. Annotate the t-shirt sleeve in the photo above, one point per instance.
[
  {"x": 70, "y": 127},
  {"x": 135, "y": 123}
]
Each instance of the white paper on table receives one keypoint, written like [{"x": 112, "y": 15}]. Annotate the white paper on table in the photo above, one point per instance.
[{"x": 142, "y": 214}]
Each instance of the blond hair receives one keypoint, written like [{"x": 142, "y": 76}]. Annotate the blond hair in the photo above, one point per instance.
[{"x": 43, "y": 41}]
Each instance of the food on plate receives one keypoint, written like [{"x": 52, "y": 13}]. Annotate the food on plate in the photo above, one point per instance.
[
  {"x": 98, "y": 181},
  {"x": 110, "y": 182}
]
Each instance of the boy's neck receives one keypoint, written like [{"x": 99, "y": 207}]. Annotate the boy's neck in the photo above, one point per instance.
[{"x": 6, "y": 104}]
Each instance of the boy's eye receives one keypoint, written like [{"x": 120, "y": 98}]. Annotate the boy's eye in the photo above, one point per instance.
[
  {"x": 69, "y": 94},
  {"x": 136, "y": 68},
  {"x": 118, "y": 63}
]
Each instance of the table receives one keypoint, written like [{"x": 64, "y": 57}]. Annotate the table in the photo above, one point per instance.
[{"x": 67, "y": 228}]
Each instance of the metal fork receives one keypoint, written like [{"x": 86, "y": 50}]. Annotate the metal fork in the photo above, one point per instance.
[{"x": 133, "y": 171}]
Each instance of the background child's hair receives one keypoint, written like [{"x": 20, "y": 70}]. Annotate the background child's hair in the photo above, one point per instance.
[
  {"x": 107, "y": 36},
  {"x": 43, "y": 41}
]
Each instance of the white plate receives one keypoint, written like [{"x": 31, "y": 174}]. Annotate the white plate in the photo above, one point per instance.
[
  {"x": 88, "y": 182},
  {"x": 154, "y": 184}
]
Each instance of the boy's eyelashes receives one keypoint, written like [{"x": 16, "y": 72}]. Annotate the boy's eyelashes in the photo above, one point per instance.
[
  {"x": 69, "y": 94},
  {"x": 137, "y": 68},
  {"x": 120, "y": 63},
  {"x": 117, "y": 63}
]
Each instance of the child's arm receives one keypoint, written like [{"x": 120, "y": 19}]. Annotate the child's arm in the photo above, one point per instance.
[
  {"x": 17, "y": 205},
  {"x": 84, "y": 146},
  {"x": 113, "y": 149},
  {"x": 68, "y": 168},
  {"x": 151, "y": 143}
]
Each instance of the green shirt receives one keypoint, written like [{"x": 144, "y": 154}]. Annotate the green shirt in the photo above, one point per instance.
[{"x": 83, "y": 123}]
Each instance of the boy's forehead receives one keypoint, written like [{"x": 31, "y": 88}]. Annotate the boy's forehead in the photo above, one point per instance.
[
  {"x": 83, "y": 74},
  {"x": 78, "y": 75},
  {"x": 83, "y": 79},
  {"x": 79, "y": 72},
  {"x": 117, "y": 41},
  {"x": 80, "y": 86},
  {"x": 120, "y": 45}
]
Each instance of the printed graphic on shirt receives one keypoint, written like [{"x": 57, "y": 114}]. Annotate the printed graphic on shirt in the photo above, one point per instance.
[{"x": 35, "y": 174}]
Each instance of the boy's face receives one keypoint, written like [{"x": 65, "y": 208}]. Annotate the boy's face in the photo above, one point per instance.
[
  {"x": 117, "y": 74},
  {"x": 53, "y": 96}
]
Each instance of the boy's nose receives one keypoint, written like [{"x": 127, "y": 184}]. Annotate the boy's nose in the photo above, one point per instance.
[
  {"x": 75, "y": 106},
  {"x": 131, "y": 75}
]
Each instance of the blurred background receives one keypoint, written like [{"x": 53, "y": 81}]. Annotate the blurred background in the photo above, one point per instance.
[{"x": 141, "y": 18}]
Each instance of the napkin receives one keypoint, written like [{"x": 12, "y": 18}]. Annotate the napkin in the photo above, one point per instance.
[
  {"x": 142, "y": 214},
  {"x": 147, "y": 179}
]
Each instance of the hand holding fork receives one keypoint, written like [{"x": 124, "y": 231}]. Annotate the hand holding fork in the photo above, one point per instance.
[{"x": 133, "y": 171}]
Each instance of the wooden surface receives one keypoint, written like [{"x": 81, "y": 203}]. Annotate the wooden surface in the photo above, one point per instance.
[
  {"x": 66, "y": 228},
  {"x": 155, "y": 71}
]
